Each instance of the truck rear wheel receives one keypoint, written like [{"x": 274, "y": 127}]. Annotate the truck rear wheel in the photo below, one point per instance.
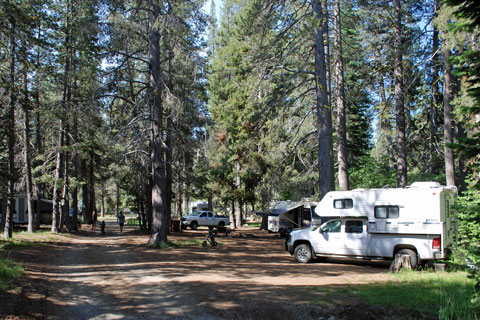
[
  {"x": 413, "y": 256},
  {"x": 221, "y": 224},
  {"x": 194, "y": 225},
  {"x": 303, "y": 253}
]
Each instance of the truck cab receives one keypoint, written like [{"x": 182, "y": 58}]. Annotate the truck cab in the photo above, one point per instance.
[{"x": 336, "y": 237}]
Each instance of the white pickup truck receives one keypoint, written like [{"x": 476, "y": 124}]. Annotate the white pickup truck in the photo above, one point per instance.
[
  {"x": 379, "y": 224},
  {"x": 204, "y": 218}
]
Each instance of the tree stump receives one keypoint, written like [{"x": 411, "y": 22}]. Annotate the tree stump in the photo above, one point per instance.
[{"x": 400, "y": 261}]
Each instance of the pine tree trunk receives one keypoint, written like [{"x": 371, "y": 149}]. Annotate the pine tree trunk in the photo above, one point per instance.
[
  {"x": 448, "y": 118},
  {"x": 384, "y": 121},
  {"x": 231, "y": 215},
  {"x": 28, "y": 166},
  {"x": 65, "y": 208},
  {"x": 102, "y": 200},
  {"x": 462, "y": 170},
  {"x": 238, "y": 208},
  {"x": 399, "y": 100},
  {"x": 117, "y": 199},
  {"x": 324, "y": 116},
  {"x": 159, "y": 230},
  {"x": 75, "y": 173},
  {"x": 328, "y": 71},
  {"x": 435, "y": 96},
  {"x": 169, "y": 171},
  {"x": 58, "y": 177},
  {"x": 91, "y": 188},
  {"x": 85, "y": 193},
  {"x": 38, "y": 135},
  {"x": 148, "y": 205},
  {"x": 144, "y": 214},
  {"x": 342, "y": 151},
  {"x": 239, "y": 214},
  {"x": 8, "y": 232},
  {"x": 184, "y": 186},
  {"x": 38, "y": 147},
  {"x": 3, "y": 210},
  {"x": 56, "y": 218}
]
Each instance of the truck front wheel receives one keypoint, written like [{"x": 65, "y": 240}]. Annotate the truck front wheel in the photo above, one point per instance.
[
  {"x": 303, "y": 253},
  {"x": 194, "y": 225}
]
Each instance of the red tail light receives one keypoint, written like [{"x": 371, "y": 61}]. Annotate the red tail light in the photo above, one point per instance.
[{"x": 436, "y": 244}]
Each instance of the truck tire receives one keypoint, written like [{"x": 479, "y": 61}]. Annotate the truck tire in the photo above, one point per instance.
[
  {"x": 194, "y": 225},
  {"x": 303, "y": 253},
  {"x": 413, "y": 256},
  {"x": 221, "y": 224}
]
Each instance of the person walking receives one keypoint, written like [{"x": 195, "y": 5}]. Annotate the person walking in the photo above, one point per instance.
[{"x": 121, "y": 221}]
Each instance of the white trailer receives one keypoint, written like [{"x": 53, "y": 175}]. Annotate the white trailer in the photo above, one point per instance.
[
  {"x": 20, "y": 215},
  {"x": 283, "y": 216},
  {"x": 379, "y": 223}
]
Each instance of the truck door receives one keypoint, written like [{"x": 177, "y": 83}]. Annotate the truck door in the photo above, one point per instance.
[
  {"x": 203, "y": 219},
  {"x": 328, "y": 239},
  {"x": 210, "y": 221},
  {"x": 355, "y": 237}
]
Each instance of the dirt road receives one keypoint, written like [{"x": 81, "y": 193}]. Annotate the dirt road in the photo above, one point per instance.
[{"x": 114, "y": 276}]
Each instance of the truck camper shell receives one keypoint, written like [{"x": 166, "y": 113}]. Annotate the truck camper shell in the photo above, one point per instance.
[{"x": 417, "y": 209}]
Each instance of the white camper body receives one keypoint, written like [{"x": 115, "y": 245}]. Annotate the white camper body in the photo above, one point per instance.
[
  {"x": 284, "y": 216},
  {"x": 378, "y": 223},
  {"x": 20, "y": 215}
]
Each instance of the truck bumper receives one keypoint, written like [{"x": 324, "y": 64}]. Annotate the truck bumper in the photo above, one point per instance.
[{"x": 438, "y": 255}]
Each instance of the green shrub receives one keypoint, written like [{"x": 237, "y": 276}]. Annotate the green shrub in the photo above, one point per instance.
[{"x": 468, "y": 214}]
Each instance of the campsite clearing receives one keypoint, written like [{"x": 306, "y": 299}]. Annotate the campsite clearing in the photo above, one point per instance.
[{"x": 248, "y": 276}]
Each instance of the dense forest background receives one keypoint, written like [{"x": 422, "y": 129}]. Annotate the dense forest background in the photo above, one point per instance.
[{"x": 148, "y": 105}]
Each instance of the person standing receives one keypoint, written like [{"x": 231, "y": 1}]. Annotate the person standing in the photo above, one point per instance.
[
  {"x": 121, "y": 221},
  {"x": 94, "y": 220}
]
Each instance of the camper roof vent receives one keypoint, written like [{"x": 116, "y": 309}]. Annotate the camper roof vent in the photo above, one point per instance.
[{"x": 428, "y": 184}]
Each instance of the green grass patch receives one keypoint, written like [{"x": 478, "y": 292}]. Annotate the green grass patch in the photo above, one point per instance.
[
  {"x": 15, "y": 244},
  {"x": 27, "y": 239},
  {"x": 9, "y": 272},
  {"x": 42, "y": 235},
  {"x": 132, "y": 222},
  {"x": 254, "y": 224},
  {"x": 185, "y": 243},
  {"x": 442, "y": 295}
]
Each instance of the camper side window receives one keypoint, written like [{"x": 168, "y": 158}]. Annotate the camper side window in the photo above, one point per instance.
[
  {"x": 386, "y": 212},
  {"x": 343, "y": 204}
]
